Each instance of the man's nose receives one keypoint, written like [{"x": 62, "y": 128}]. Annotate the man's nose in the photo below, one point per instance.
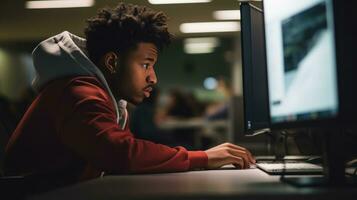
[{"x": 151, "y": 78}]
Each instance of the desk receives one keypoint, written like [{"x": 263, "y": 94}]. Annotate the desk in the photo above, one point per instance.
[{"x": 211, "y": 184}]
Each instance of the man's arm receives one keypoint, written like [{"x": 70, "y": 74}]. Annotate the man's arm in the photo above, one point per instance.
[{"x": 88, "y": 127}]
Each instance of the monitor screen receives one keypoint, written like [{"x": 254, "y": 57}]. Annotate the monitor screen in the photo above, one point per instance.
[
  {"x": 255, "y": 94},
  {"x": 301, "y": 60}
]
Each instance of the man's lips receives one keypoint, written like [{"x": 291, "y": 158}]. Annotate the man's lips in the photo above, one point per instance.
[{"x": 147, "y": 91}]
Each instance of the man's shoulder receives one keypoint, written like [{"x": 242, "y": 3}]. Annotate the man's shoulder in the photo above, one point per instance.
[
  {"x": 76, "y": 89},
  {"x": 89, "y": 82},
  {"x": 85, "y": 87}
]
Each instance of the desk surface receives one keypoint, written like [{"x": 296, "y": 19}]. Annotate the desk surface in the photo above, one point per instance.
[{"x": 211, "y": 184}]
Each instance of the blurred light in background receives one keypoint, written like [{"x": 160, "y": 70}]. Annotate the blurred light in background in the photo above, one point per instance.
[
  {"x": 227, "y": 14},
  {"x": 58, "y": 4},
  {"x": 208, "y": 27},
  {"x": 3, "y": 63},
  {"x": 200, "y": 45},
  {"x": 210, "y": 83},
  {"x": 16, "y": 74},
  {"x": 177, "y": 1}
]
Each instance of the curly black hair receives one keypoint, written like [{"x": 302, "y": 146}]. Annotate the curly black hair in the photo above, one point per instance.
[{"x": 120, "y": 29}]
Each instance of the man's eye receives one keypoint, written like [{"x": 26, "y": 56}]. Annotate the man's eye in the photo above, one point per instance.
[{"x": 146, "y": 65}]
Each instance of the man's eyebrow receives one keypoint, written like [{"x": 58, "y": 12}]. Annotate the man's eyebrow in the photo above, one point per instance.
[{"x": 149, "y": 59}]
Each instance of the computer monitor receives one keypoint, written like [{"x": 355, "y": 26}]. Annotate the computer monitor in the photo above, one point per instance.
[
  {"x": 255, "y": 90},
  {"x": 309, "y": 70},
  {"x": 301, "y": 60}
]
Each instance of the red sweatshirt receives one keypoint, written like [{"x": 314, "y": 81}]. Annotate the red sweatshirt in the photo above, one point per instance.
[{"x": 71, "y": 127}]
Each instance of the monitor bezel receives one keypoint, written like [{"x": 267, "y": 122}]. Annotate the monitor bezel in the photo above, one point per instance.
[{"x": 257, "y": 130}]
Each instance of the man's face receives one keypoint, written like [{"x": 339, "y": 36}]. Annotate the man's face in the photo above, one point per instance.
[{"x": 137, "y": 76}]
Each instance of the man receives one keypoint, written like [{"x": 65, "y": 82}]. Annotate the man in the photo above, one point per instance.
[{"x": 78, "y": 125}]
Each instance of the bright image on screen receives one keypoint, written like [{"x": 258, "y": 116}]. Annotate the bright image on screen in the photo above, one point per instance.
[{"x": 301, "y": 59}]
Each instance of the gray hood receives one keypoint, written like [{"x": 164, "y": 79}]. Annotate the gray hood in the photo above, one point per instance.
[{"x": 65, "y": 55}]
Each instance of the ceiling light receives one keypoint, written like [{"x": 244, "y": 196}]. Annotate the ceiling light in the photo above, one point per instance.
[
  {"x": 200, "y": 45},
  {"x": 227, "y": 14},
  {"x": 207, "y": 27},
  {"x": 58, "y": 4},
  {"x": 211, "y": 40},
  {"x": 177, "y": 1},
  {"x": 198, "y": 49}
]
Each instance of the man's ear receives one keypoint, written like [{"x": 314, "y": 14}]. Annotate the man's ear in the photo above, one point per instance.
[{"x": 111, "y": 62}]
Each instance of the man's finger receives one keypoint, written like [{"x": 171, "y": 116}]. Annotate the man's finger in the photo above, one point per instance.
[
  {"x": 251, "y": 159},
  {"x": 242, "y": 155},
  {"x": 237, "y": 161},
  {"x": 245, "y": 154}
]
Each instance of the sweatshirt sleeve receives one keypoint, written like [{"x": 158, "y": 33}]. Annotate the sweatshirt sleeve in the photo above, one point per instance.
[{"x": 87, "y": 125}]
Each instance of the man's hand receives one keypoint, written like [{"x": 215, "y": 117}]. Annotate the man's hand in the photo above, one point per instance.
[{"x": 228, "y": 153}]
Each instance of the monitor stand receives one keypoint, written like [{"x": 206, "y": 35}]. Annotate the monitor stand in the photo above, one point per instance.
[{"x": 334, "y": 158}]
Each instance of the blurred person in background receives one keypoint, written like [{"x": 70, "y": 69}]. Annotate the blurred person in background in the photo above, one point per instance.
[
  {"x": 143, "y": 122},
  {"x": 77, "y": 126},
  {"x": 219, "y": 110},
  {"x": 179, "y": 105}
]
